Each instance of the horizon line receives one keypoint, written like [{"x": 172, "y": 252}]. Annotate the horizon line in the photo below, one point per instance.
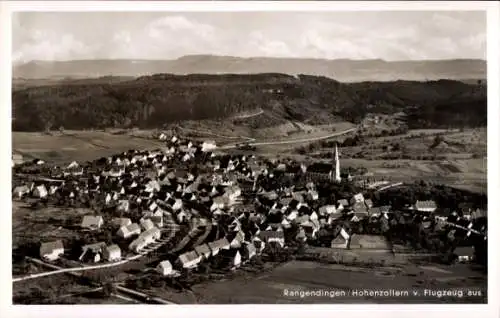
[{"x": 253, "y": 57}]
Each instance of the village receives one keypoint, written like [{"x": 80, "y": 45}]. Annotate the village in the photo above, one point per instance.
[{"x": 194, "y": 208}]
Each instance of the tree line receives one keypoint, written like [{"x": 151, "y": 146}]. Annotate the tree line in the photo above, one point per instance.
[{"x": 152, "y": 101}]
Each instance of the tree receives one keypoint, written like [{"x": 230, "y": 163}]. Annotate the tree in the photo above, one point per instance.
[
  {"x": 437, "y": 140},
  {"x": 108, "y": 289}
]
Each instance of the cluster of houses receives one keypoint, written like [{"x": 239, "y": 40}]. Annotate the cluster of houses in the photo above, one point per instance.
[{"x": 150, "y": 193}]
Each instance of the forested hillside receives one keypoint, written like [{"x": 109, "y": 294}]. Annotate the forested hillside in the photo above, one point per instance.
[{"x": 152, "y": 101}]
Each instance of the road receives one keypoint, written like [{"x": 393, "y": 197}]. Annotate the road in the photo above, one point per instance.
[
  {"x": 261, "y": 111},
  {"x": 119, "y": 287},
  {"x": 293, "y": 141},
  {"x": 214, "y": 134},
  {"x": 100, "y": 266}
]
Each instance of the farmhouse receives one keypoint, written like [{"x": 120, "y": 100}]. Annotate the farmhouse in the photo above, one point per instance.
[
  {"x": 20, "y": 191},
  {"x": 147, "y": 224},
  {"x": 203, "y": 250},
  {"x": 357, "y": 198},
  {"x": 248, "y": 251},
  {"x": 92, "y": 252},
  {"x": 129, "y": 230},
  {"x": 112, "y": 253},
  {"x": 425, "y": 206},
  {"x": 17, "y": 159},
  {"x": 40, "y": 191},
  {"x": 137, "y": 245},
  {"x": 92, "y": 222},
  {"x": 165, "y": 268},
  {"x": 189, "y": 260},
  {"x": 52, "y": 250},
  {"x": 119, "y": 222},
  {"x": 273, "y": 236},
  {"x": 208, "y": 145},
  {"x": 327, "y": 209},
  {"x": 464, "y": 254},
  {"x": 341, "y": 240},
  {"x": 342, "y": 204},
  {"x": 151, "y": 235}
]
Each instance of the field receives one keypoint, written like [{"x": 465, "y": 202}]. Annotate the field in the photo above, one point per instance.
[
  {"x": 89, "y": 145},
  {"x": 79, "y": 146},
  {"x": 453, "y": 157},
  {"x": 270, "y": 288}
]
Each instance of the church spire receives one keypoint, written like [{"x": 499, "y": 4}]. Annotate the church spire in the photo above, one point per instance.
[{"x": 337, "y": 164}]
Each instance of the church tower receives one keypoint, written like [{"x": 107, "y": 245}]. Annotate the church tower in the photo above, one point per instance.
[{"x": 335, "y": 175}]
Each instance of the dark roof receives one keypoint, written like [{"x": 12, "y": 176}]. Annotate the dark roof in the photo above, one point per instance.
[{"x": 265, "y": 235}]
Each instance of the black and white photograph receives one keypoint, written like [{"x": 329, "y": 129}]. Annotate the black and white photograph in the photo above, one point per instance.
[{"x": 232, "y": 157}]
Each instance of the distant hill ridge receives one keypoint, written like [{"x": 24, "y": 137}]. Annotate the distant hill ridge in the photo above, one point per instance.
[
  {"x": 343, "y": 70},
  {"x": 152, "y": 101}
]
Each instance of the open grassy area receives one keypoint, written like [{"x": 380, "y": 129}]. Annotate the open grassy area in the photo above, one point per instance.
[
  {"x": 76, "y": 145},
  {"x": 269, "y": 288},
  {"x": 452, "y": 157},
  {"x": 89, "y": 145}
]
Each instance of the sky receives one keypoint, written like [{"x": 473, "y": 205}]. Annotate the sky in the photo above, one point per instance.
[{"x": 387, "y": 35}]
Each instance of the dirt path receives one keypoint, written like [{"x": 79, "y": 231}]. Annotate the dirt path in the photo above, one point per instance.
[{"x": 261, "y": 111}]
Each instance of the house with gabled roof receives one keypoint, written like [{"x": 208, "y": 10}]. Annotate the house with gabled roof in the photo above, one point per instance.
[
  {"x": 119, "y": 222},
  {"x": 40, "y": 191},
  {"x": 425, "y": 206},
  {"x": 92, "y": 252},
  {"x": 129, "y": 230},
  {"x": 189, "y": 260},
  {"x": 464, "y": 254},
  {"x": 478, "y": 213},
  {"x": 157, "y": 220},
  {"x": 151, "y": 235},
  {"x": 51, "y": 251},
  {"x": 369, "y": 203},
  {"x": 237, "y": 240},
  {"x": 357, "y": 198},
  {"x": 341, "y": 240},
  {"x": 219, "y": 202},
  {"x": 359, "y": 209},
  {"x": 123, "y": 206},
  {"x": 203, "y": 250},
  {"x": 20, "y": 191},
  {"x": 292, "y": 215},
  {"x": 248, "y": 251},
  {"x": 259, "y": 244},
  {"x": 374, "y": 212},
  {"x": 273, "y": 236},
  {"x": 312, "y": 195},
  {"x": 137, "y": 245},
  {"x": 327, "y": 209},
  {"x": 165, "y": 268},
  {"x": 112, "y": 253},
  {"x": 178, "y": 204},
  {"x": 146, "y": 224},
  {"x": 342, "y": 204},
  {"x": 218, "y": 245},
  {"x": 92, "y": 222}
]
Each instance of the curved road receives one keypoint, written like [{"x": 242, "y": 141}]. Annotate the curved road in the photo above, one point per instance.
[{"x": 282, "y": 142}]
